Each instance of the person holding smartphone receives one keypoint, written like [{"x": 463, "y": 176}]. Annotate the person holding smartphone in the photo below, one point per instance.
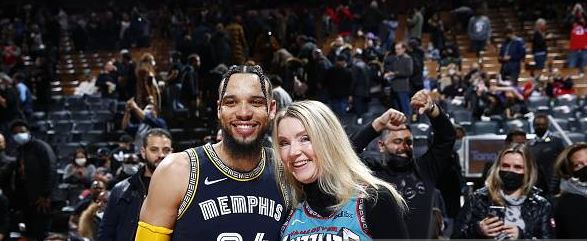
[{"x": 510, "y": 184}]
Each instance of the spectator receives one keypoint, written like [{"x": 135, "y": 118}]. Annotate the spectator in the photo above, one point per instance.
[
  {"x": 545, "y": 148},
  {"x": 34, "y": 180},
  {"x": 539, "y": 47},
  {"x": 121, "y": 215},
  {"x": 107, "y": 81},
  {"x": 415, "y": 23},
  {"x": 577, "y": 55},
  {"x": 238, "y": 42},
  {"x": 390, "y": 25},
  {"x": 327, "y": 178},
  {"x": 91, "y": 218},
  {"x": 146, "y": 119},
  {"x": 404, "y": 171},
  {"x": 78, "y": 174},
  {"x": 8, "y": 102},
  {"x": 416, "y": 52},
  {"x": 25, "y": 97},
  {"x": 317, "y": 67},
  {"x": 510, "y": 184},
  {"x": 514, "y": 106},
  {"x": 147, "y": 89},
  {"x": 125, "y": 147},
  {"x": 511, "y": 55},
  {"x": 7, "y": 165},
  {"x": 4, "y": 216},
  {"x": 190, "y": 83},
  {"x": 479, "y": 31},
  {"x": 398, "y": 69},
  {"x": 361, "y": 84},
  {"x": 95, "y": 190},
  {"x": 127, "y": 80},
  {"x": 571, "y": 204},
  {"x": 87, "y": 85},
  {"x": 338, "y": 85},
  {"x": 222, "y": 47},
  {"x": 436, "y": 31},
  {"x": 281, "y": 97}
]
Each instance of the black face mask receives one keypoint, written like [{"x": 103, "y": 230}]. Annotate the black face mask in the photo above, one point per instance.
[
  {"x": 581, "y": 174},
  {"x": 540, "y": 132},
  {"x": 398, "y": 162},
  {"x": 511, "y": 180}
]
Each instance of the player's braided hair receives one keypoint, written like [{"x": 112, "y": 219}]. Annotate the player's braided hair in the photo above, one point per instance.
[{"x": 252, "y": 69}]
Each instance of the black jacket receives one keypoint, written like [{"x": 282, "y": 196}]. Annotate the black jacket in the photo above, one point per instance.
[
  {"x": 426, "y": 169},
  {"x": 536, "y": 213},
  {"x": 38, "y": 160},
  {"x": 121, "y": 216}
]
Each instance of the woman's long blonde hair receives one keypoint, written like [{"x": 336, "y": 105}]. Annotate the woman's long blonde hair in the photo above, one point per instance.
[
  {"x": 494, "y": 183},
  {"x": 341, "y": 172}
]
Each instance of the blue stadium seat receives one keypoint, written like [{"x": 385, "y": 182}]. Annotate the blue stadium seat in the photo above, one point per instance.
[
  {"x": 59, "y": 115},
  {"x": 577, "y": 137},
  {"x": 517, "y": 124},
  {"x": 486, "y": 127}
]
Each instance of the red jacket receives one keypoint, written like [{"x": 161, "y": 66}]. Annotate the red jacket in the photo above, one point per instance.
[{"x": 578, "y": 37}]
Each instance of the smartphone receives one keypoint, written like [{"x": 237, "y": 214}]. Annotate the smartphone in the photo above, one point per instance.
[{"x": 497, "y": 211}]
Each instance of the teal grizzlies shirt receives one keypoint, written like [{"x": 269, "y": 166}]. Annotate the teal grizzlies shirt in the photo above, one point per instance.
[
  {"x": 348, "y": 224},
  {"x": 226, "y": 205}
]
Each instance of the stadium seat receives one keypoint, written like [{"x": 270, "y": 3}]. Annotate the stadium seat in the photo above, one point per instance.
[
  {"x": 81, "y": 115},
  {"x": 462, "y": 117},
  {"x": 485, "y": 127},
  {"x": 577, "y": 137},
  {"x": 83, "y": 126},
  {"x": 538, "y": 103},
  {"x": 517, "y": 124},
  {"x": 62, "y": 126},
  {"x": 59, "y": 115}
]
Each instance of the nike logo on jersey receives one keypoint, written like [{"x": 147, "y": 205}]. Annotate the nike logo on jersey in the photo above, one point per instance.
[{"x": 206, "y": 182}]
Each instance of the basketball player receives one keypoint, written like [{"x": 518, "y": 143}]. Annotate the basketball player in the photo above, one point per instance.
[{"x": 223, "y": 191}]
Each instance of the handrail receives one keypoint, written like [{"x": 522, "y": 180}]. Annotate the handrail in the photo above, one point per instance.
[{"x": 560, "y": 130}]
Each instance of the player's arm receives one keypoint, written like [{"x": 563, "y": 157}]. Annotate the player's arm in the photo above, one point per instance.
[{"x": 166, "y": 190}]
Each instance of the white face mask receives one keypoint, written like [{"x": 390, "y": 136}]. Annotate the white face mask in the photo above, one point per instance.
[
  {"x": 81, "y": 161},
  {"x": 22, "y": 138},
  {"x": 130, "y": 169}
]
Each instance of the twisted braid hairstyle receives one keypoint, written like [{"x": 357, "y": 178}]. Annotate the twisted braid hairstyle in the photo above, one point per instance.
[{"x": 266, "y": 86}]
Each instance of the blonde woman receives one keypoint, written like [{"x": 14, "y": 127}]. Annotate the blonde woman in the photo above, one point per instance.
[
  {"x": 334, "y": 193},
  {"x": 508, "y": 207}
]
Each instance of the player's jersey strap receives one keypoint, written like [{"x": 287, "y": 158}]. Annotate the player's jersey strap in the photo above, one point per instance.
[{"x": 192, "y": 182}]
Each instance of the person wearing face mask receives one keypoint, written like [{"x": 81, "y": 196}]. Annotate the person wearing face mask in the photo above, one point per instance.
[
  {"x": 510, "y": 184},
  {"x": 122, "y": 212},
  {"x": 137, "y": 121},
  {"x": 329, "y": 182},
  {"x": 78, "y": 174},
  {"x": 545, "y": 148},
  {"x": 571, "y": 205},
  {"x": 415, "y": 178},
  {"x": 34, "y": 179}
]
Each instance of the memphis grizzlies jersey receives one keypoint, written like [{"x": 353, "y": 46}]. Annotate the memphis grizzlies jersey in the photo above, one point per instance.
[
  {"x": 348, "y": 224},
  {"x": 225, "y": 205}
]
